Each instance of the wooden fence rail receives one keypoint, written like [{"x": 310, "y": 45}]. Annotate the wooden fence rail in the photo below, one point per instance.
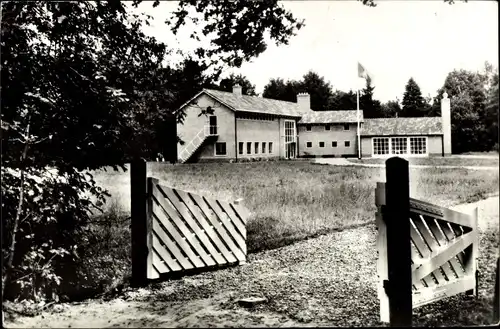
[
  {"x": 176, "y": 231},
  {"x": 426, "y": 252}
]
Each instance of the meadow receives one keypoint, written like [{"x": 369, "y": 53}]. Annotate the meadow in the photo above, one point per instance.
[{"x": 296, "y": 200}]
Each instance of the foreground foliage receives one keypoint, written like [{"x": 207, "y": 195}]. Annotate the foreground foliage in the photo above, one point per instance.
[{"x": 83, "y": 88}]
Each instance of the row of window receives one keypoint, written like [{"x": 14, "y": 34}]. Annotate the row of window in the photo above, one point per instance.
[
  {"x": 252, "y": 116},
  {"x": 334, "y": 144},
  {"x": 256, "y": 147},
  {"x": 328, "y": 127},
  {"x": 399, "y": 145}
]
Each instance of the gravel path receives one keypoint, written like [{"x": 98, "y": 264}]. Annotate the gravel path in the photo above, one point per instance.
[{"x": 325, "y": 281}]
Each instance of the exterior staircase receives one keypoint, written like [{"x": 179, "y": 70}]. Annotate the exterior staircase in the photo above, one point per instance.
[{"x": 190, "y": 148}]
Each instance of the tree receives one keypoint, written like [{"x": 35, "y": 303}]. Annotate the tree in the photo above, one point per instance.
[
  {"x": 371, "y": 108},
  {"x": 311, "y": 83},
  {"x": 275, "y": 89},
  {"x": 238, "y": 28},
  {"x": 413, "y": 102},
  {"x": 247, "y": 88},
  {"x": 491, "y": 114},
  {"x": 79, "y": 79},
  {"x": 391, "y": 109},
  {"x": 468, "y": 118},
  {"x": 318, "y": 88},
  {"x": 341, "y": 100},
  {"x": 281, "y": 90}
]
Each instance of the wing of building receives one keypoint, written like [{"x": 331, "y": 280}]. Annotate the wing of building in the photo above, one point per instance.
[{"x": 235, "y": 127}]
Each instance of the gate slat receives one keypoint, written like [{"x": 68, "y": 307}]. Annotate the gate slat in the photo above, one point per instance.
[
  {"x": 416, "y": 260},
  {"x": 418, "y": 220},
  {"x": 442, "y": 257},
  {"x": 229, "y": 226},
  {"x": 152, "y": 272},
  {"x": 198, "y": 217},
  {"x": 429, "y": 295},
  {"x": 223, "y": 233},
  {"x": 242, "y": 211},
  {"x": 443, "y": 241},
  {"x": 185, "y": 262},
  {"x": 234, "y": 218},
  {"x": 164, "y": 254},
  {"x": 159, "y": 211},
  {"x": 158, "y": 264},
  {"x": 450, "y": 235},
  {"x": 184, "y": 214},
  {"x": 424, "y": 251}
]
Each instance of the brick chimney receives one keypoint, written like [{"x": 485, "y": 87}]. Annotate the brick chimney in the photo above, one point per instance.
[
  {"x": 446, "y": 122},
  {"x": 237, "y": 90},
  {"x": 304, "y": 101}
]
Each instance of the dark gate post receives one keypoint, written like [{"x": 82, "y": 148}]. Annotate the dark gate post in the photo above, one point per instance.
[
  {"x": 397, "y": 218},
  {"x": 139, "y": 225}
]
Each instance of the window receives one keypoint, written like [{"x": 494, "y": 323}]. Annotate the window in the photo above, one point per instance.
[
  {"x": 308, "y": 127},
  {"x": 270, "y": 147},
  {"x": 220, "y": 148},
  {"x": 347, "y": 143},
  {"x": 418, "y": 145},
  {"x": 346, "y": 127},
  {"x": 399, "y": 145},
  {"x": 249, "y": 147},
  {"x": 327, "y": 127},
  {"x": 334, "y": 144},
  {"x": 289, "y": 131},
  {"x": 240, "y": 148},
  {"x": 263, "y": 147},
  {"x": 256, "y": 148},
  {"x": 309, "y": 144},
  {"x": 381, "y": 145},
  {"x": 321, "y": 144}
]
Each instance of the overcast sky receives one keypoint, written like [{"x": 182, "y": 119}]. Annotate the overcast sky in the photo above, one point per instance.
[{"x": 394, "y": 41}]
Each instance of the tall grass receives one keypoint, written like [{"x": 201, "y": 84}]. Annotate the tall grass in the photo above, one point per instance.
[{"x": 291, "y": 201}]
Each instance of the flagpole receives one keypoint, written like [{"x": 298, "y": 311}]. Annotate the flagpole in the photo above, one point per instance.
[{"x": 359, "y": 136}]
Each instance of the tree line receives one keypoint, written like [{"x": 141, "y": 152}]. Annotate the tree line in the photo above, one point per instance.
[{"x": 473, "y": 95}]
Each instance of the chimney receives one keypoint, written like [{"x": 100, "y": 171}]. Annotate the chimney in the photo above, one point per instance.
[
  {"x": 446, "y": 122},
  {"x": 237, "y": 90},
  {"x": 304, "y": 101}
]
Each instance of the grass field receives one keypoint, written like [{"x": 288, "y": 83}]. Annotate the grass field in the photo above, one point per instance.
[
  {"x": 440, "y": 161},
  {"x": 291, "y": 201}
]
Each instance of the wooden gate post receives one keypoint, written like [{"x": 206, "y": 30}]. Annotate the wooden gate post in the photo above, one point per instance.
[
  {"x": 139, "y": 222},
  {"x": 397, "y": 219}
]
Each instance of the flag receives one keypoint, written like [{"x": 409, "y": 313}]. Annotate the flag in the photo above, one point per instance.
[{"x": 362, "y": 73}]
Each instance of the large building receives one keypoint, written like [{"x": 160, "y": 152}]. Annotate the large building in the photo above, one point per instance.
[{"x": 238, "y": 127}]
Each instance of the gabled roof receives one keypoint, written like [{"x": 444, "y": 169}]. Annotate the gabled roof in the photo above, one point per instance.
[
  {"x": 255, "y": 104},
  {"x": 402, "y": 126},
  {"x": 323, "y": 117}
]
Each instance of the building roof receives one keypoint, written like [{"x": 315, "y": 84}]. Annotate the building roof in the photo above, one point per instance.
[
  {"x": 255, "y": 104},
  {"x": 402, "y": 126},
  {"x": 322, "y": 117}
]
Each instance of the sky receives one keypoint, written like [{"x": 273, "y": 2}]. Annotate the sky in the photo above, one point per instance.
[{"x": 394, "y": 41}]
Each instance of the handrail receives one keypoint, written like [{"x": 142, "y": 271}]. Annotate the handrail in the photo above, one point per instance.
[
  {"x": 191, "y": 143},
  {"x": 207, "y": 130}
]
